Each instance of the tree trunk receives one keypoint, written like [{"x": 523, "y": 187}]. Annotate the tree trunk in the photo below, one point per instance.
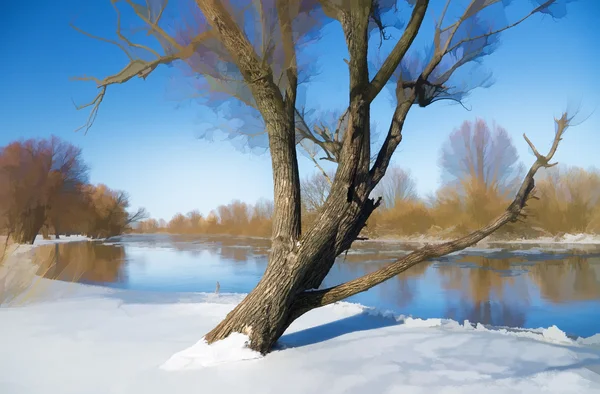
[
  {"x": 31, "y": 221},
  {"x": 45, "y": 232},
  {"x": 56, "y": 228}
]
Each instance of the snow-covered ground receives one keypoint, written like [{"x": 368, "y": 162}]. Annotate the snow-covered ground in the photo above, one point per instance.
[
  {"x": 72, "y": 338},
  {"x": 564, "y": 239}
]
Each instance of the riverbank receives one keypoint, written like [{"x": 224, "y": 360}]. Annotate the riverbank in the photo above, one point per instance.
[
  {"x": 18, "y": 275},
  {"x": 562, "y": 239},
  {"x": 98, "y": 340},
  {"x": 566, "y": 238},
  {"x": 74, "y": 338}
]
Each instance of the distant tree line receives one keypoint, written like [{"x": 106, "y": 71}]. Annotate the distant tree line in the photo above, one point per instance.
[
  {"x": 480, "y": 173},
  {"x": 236, "y": 218},
  {"x": 44, "y": 188}
]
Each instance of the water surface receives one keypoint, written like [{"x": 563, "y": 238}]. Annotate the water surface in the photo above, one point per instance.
[{"x": 526, "y": 286}]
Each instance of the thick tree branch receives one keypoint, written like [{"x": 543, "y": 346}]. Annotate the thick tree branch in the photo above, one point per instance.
[
  {"x": 309, "y": 300},
  {"x": 331, "y": 10},
  {"x": 395, "y": 57},
  {"x": 289, "y": 53},
  {"x": 392, "y": 140},
  {"x": 270, "y": 103}
]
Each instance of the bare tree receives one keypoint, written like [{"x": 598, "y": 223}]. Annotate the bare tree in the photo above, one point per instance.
[
  {"x": 480, "y": 165},
  {"x": 259, "y": 65},
  {"x": 396, "y": 185},
  {"x": 315, "y": 189},
  {"x": 475, "y": 155},
  {"x": 70, "y": 173},
  {"x": 41, "y": 182}
]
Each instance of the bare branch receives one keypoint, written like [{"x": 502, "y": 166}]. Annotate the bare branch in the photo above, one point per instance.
[
  {"x": 474, "y": 7},
  {"x": 535, "y": 152},
  {"x": 154, "y": 26},
  {"x": 113, "y": 42},
  {"x": 136, "y": 67},
  {"x": 309, "y": 300},
  {"x": 95, "y": 104},
  {"x": 392, "y": 140},
  {"x": 443, "y": 15},
  {"x": 393, "y": 60},
  {"x": 331, "y": 147},
  {"x": 122, "y": 37},
  {"x": 491, "y": 33},
  {"x": 314, "y": 160}
]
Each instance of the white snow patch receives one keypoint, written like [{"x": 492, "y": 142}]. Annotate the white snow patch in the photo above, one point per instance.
[
  {"x": 475, "y": 250},
  {"x": 39, "y": 240},
  {"x": 233, "y": 348},
  {"x": 563, "y": 239},
  {"x": 410, "y": 322},
  {"x": 584, "y": 239},
  {"x": 94, "y": 340},
  {"x": 594, "y": 340},
  {"x": 555, "y": 334}
]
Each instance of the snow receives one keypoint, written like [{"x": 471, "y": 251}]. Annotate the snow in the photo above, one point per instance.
[
  {"x": 200, "y": 355},
  {"x": 76, "y": 339},
  {"x": 565, "y": 239},
  {"x": 98, "y": 340}
]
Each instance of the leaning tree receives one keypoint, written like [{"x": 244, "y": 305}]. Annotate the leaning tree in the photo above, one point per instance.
[{"x": 255, "y": 52}]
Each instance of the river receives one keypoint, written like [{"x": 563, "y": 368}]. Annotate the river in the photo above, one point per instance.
[{"x": 528, "y": 286}]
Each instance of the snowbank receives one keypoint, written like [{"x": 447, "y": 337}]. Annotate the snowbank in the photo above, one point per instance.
[
  {"x": 18, "y": 275},
  {"x": 565, "y": 239},
  {"x": 99, "y": 340}
]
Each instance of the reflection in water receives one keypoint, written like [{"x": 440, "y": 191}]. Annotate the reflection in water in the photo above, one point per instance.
[
  {"x": 575, "y": 278},
  {"x": 81, "y": 262},
  {"x": 509, "y": 286},
  {"x": 484, "y": 293}
]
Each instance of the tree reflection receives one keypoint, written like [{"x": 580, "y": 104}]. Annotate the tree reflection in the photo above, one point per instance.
[
  {"x": 400, "y": 291},
  {"x": 486, "y": 294},
  {"x": 238, "y": 249},
  {"x": 576, "y": 278},
  {"x": 81, "y": 262}
]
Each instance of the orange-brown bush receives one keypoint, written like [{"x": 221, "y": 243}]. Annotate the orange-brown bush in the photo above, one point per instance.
[
  {"x": 107, "y": 214},
  {"x": 406, "y": 217},
  {"x": 236, "y": 218},
  {"x": 569, "y": 201}
]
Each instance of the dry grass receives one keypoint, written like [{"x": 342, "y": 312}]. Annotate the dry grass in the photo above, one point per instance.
[{"x": 569, "y": 202}]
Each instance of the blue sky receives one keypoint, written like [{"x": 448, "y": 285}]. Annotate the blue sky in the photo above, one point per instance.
[{"x": 146, "y": 143}]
